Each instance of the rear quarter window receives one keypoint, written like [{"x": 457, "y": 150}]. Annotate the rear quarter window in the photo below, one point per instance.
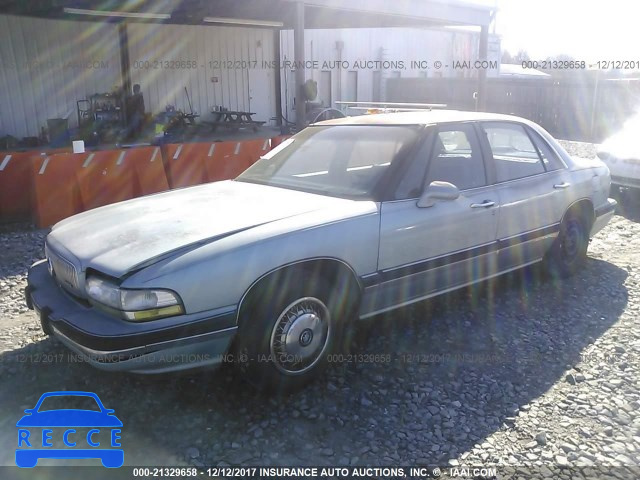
[{"x": 549, "y": 157}]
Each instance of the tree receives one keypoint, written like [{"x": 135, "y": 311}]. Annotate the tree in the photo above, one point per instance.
[
  {"x": 521, "y": 56},
  {"x": 563, "y": 57},
  {"x": 506, "y": 57}
]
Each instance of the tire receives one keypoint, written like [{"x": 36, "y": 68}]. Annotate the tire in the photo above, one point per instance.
[
  {"x": 286, "y": 333},
  {"x": 569, "y": 251}
]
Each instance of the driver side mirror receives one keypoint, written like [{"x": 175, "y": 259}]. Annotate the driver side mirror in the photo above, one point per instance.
[{"x": 438, "y": 191}]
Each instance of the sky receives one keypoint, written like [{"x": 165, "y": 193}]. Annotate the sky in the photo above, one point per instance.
[{"x": 589, "y": 30}]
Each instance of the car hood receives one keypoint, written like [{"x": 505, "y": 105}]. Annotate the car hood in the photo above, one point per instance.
[
  {"x": 623, "y": 145},
  {"x": 122, "y": 237}
]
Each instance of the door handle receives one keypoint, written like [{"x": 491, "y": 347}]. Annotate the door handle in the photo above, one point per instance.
[
  {"x": 485, "y": 204},
  {"x": 561, "y": 185}
]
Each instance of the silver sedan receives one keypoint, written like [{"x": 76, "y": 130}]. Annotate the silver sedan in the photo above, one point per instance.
[{"x": 347, "y": 219}]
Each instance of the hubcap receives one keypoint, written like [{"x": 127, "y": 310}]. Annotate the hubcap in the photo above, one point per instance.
[
  {"x": 300, "y": 336},
  {"x": 571, "y": 242},
  {"x": 306, "y": 337}
]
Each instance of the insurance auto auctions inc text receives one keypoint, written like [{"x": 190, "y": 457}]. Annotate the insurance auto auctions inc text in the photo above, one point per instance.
[
  {"x": 419, "y": 64},
  {"x": 351, "y": 472}
]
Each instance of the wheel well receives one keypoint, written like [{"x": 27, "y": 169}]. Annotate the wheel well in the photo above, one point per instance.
[
  {"x": 337, "y": 273},
  {"x": 583, "y": 211}
]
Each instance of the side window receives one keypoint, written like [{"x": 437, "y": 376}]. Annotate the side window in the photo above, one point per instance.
[
  {"x": 411, "y": 184},
  {"x": 514, "y": 155},
  {"x": 456, "y": 158},
  {"x": 549, "y": 157}
]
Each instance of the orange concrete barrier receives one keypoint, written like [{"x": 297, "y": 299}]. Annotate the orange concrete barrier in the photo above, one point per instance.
[
  {"x": 148, "y": 168},
  {"x": 219, "y": 160},
  {"x": 49, "y": 187},
  {"x": 275, "y": 141},
  {"x": 16, "y": 186},
  {"x": 16, "y": 183},
  {"x": 105, "y": 178},
  {"x": 56, "y": 194},
  {"x": 225, "y": 160},
  {"x": 53, "y": 151},
  {"x": 184, "y": 163},
  {"x": 250, "y": 152}
]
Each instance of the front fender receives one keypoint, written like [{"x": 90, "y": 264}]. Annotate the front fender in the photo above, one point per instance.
[{"x": 217, "y": 275}]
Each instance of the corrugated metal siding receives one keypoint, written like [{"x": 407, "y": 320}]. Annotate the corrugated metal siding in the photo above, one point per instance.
[
  {"x": 46, "y": 65},
  {"x": 363, "y": 44},
  {"x": 220, "y": 52}
]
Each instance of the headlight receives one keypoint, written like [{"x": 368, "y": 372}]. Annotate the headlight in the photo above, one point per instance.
[
  {"x": 104, "y": 292},
  {"x": 137, "y": 305},
  {"x": 149, "y": 304}
]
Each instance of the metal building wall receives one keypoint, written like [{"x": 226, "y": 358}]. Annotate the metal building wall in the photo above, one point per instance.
[
  {"x": 46, "y": 65},
  {"x": 214, "y": 63},
  {"x": 391, "y": 44}
]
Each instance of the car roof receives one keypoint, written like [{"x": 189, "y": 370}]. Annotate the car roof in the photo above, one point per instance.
[
  {"x": 440, "y": 116},
  {"x": 427, "y": 117}
]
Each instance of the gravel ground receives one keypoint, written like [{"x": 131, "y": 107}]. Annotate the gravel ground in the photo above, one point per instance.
[{"x": 533, "y": 377}]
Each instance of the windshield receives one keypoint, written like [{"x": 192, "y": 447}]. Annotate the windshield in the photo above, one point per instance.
[{"x": 339, "y": 160}]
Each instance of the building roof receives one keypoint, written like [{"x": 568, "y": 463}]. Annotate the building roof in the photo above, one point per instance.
[
  {"x": 272, "y": 13},
  {"x": 512, "y": 70}
]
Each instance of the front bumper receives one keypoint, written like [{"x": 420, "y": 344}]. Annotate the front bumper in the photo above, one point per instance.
[
  {"x": 625, "y": 172},
  {"x": 108, "y": 343},
  {"x": 628, "y": 182}
]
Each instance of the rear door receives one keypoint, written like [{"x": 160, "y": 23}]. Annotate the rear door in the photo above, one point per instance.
[{"x": 531, "y": 188}]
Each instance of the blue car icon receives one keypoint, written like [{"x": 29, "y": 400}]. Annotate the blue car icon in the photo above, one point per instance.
[{"x": 81, "y": 432}]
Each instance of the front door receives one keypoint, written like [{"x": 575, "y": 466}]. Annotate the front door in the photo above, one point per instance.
[{"x": 424, "y": 251}]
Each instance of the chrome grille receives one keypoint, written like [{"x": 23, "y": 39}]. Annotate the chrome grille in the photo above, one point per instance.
[{"x": 65, "y": 271}]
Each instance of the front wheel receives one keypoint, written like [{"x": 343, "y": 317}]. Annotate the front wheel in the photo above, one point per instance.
[
  {"x": 569, "y": 251},
  {"x": 287, "y": 332}
]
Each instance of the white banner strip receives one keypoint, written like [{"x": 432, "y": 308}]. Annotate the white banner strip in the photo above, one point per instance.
[
  {"x": 5, "y": 162},
  {"x": 88, "y": 160},
  {"x": 44, "y": 166}
]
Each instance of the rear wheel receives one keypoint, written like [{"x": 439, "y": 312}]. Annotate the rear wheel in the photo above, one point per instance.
[
  {"x": 286, "y": 333},
  {"x": 569, "y": 251}
]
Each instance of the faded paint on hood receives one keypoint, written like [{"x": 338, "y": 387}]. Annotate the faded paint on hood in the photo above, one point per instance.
[{"x": 118, "y": 238}]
